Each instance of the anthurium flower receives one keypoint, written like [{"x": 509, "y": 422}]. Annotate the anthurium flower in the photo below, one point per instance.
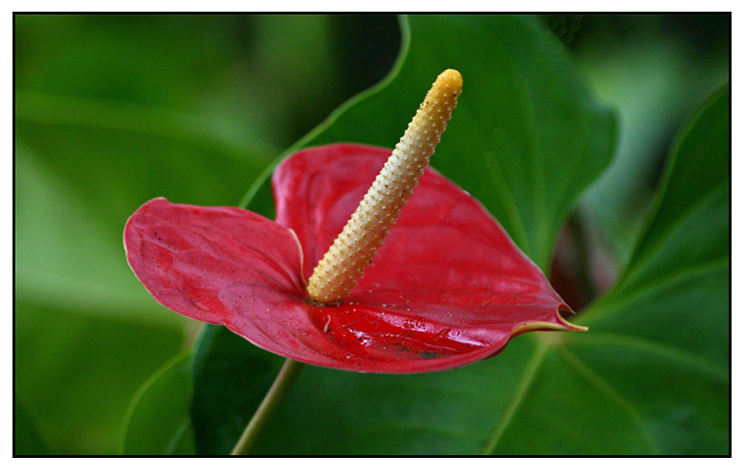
[{"x": 448, "y": 287}]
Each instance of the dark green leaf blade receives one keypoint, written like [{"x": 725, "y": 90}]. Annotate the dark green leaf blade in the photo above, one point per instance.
[
  {"x": 565, "y": 408},
  {"x": 661, "y": 337},
  {"x": 680, "y": 403},
  {"x": 159, "y": 421},
  {"x": 343, "y": 413},
  {"x": 682, "y": 261},
  {"x": 231, "y": 377},
  {"x": 524, "y": 123},
  {"x": 694, "y": 206}
]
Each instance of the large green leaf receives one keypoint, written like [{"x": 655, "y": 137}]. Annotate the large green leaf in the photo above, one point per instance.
[
  {"x": 661, "y": 337},
  {"x": 158, "y": 421},
  {"x": 523, "y": 126},
  {"x": 103, "y": 160},
  {"x": 650, "y": 377},
  {"x": 657, "y": 353},
  {"x": 524, "y": 122}
]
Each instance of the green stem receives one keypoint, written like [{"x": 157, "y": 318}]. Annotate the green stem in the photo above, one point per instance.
[{"x": 281, "y": 386}]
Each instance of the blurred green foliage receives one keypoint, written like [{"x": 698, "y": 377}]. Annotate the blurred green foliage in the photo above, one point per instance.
[
  {"x": 655, "y": 70},
  {"x": 113, "y": 110}
]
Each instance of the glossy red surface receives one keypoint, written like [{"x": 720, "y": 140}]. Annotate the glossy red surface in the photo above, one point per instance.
[{"x": 447, "y": 288}]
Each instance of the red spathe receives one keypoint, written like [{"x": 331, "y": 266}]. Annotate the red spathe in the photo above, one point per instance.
[{"x": 447, "y": 288}]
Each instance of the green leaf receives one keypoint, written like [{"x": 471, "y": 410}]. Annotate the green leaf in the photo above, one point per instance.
[
  {"x": 159, "y": 421},
  {"x": 231, "y": 377},
  {"x": 661, "y": 337},
  {"x": 332, "y": 412},
  {"x": 78, "y": 307},
  {"x": 523, "y": 125},
  {"x": 85, "y": 166}
]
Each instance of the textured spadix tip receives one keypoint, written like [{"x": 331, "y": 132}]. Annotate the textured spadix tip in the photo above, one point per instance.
[
  {"x": 344, "y": 263},
  {"x": 449, "y": 78}
]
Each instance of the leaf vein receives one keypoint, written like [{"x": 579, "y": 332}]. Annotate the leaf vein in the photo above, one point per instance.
[
  {"x": 516, "y": 399},
  {"x": 660, "y": 349},
  {"x": 597, "y": 310},
  {"x": 609, "y": 391},
  {"x": 641, "y": 263}
]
